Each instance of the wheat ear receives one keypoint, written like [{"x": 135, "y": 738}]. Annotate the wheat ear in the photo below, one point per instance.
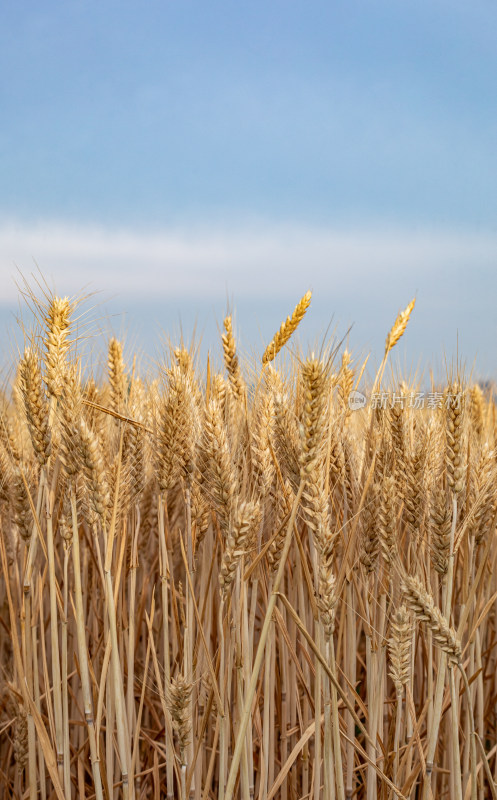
[
  {"x": 231, "y": 359},
  {"x": 20, "y": 739},
  {"x": 287, "y": 328},
  {"x": 246, "y": 521},
  {"x": 217, "y": 463},
  {"x": 57, "y": 323},
  {"x": 423, "y": 606},
  {"x": 178, "y": 696},
  {"x": 35, "y": 405},
  {"x": 315, "y": 389},
  {"x": 398, "y": 328},
  {"x": 399, "y": 648},
  {"x": 177, "y": 428},
  {"x": 454, "y": 438},
  {"x": 117, "y": 375}
]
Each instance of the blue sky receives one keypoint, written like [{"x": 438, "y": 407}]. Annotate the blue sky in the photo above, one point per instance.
[{"x": 174, "y": 153}]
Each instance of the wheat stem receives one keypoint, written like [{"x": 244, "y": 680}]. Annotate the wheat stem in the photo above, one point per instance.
[
  {"x": 260, "y": 652},
  {"x": 82, "y": 652}
]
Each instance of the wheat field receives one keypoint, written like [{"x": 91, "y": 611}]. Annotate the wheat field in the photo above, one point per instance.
[{"x": 235, "y": 585}]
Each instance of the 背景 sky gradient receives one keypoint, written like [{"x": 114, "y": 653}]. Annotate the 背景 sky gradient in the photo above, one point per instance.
[{"x": 177, "y": 153}]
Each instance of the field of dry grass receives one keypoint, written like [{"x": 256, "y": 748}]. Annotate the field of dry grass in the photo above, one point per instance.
[{"x": 233, "y": 586}]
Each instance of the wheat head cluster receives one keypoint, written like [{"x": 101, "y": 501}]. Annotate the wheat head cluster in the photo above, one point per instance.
[{"x": 220, "y": 585}]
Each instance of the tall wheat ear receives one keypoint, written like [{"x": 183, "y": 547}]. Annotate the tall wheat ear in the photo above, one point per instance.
[
  {"x": 454, "y": 432},
  {"x": 57, "y": 330},
  {"x": 117, "y": 376},
  {"x": 231, "y": 361},
  {"x": 287, "y": 328},
  {"x": 399, "y": 326}
]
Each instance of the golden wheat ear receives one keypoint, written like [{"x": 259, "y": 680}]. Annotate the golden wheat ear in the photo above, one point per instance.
[
  {"x": 399, "y": 647},
  {"x": 35, "y": 405},
  {"x": 422, "y": 604},
  {"x": 315, "y": 384},
  {"x": 246, "y": 521},
  {"x": 399, "y": 327},
  {"x": 57, "y": 343},
  {"x": 117, "y": 376},
  {"x": 231, "y": 361},
  {"x": 287, "y": 328}
]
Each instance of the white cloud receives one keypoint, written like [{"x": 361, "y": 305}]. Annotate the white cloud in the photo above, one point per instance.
[{"x": 251, "y": 261}]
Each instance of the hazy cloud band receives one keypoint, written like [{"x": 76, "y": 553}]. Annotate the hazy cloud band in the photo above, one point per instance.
[{"x": 245, "y": 261}]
